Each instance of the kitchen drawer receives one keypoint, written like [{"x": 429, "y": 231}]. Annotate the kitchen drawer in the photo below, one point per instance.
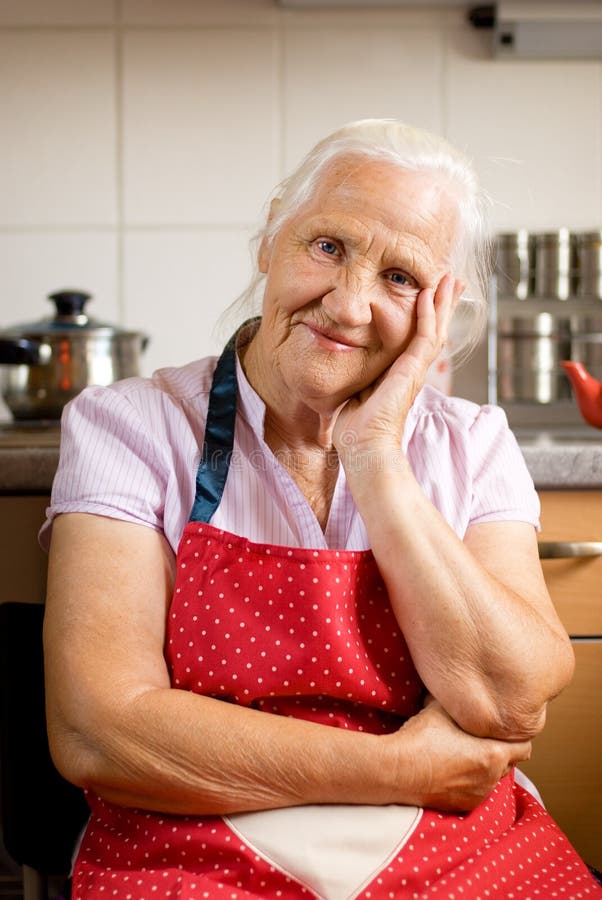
[
  {"x": 566, "y": 763},
  {"x": 574, "y": 584}
]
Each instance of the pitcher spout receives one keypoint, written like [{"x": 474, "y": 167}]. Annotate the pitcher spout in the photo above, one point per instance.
[{"x": 588, "y": 391}]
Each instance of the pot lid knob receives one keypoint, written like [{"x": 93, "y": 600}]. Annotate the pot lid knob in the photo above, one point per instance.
[{"x": 69, "y": 302}]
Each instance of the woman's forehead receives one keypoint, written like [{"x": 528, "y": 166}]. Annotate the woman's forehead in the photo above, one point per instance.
[
  {"x": 374, "y": 201},
  {"x": 379, "y": 183}
]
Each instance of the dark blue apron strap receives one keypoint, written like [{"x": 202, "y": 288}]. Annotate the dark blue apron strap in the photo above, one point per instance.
[{"x": 219, "y": 436}]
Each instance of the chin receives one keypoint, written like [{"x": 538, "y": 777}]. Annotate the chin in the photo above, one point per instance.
[
  {"x": 324, "y": 379},
  {"x": 323, "y": 395}
]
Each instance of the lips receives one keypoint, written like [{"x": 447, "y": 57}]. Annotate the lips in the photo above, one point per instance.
[{"x": 332, "y": 337}]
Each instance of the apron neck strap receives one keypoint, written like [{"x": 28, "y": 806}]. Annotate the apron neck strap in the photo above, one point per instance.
[{"x": 219, "y": 435}]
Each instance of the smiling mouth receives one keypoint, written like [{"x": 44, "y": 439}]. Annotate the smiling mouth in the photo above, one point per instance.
[{"x": 329, "y": 338}]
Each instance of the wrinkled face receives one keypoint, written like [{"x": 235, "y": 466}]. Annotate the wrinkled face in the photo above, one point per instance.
[{"x": 344, "y": 272}]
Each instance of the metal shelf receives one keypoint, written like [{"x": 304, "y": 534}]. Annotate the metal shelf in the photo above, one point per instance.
[{"x": 532, "y": 306}]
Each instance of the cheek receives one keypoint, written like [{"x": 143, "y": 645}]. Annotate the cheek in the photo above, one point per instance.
[
  {"x": 293, "y": 284},
  {"x": 396, "y": 326}
]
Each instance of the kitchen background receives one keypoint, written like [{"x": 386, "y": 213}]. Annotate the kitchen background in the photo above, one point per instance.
[
  {"x": 141, "y": 138},
  {"x": 139, "y": 141}
]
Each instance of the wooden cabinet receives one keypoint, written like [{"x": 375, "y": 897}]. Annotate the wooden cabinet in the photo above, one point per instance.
[
  {"x": 566, "y": 764},
  {"x": 23, "y": 564}
]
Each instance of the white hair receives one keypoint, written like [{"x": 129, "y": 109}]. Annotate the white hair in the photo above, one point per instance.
[{"x": 411, "y": 149}]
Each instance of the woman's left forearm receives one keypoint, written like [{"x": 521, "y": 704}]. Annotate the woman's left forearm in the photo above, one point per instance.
[{"x": 477, "y": 619}]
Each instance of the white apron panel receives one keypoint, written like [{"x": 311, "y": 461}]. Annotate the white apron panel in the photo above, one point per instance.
[{"x": 334, "y": 850}]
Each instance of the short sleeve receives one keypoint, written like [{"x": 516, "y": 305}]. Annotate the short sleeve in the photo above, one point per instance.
[
  {"x": 467, "y": 462},
  {"x": 502, "y": 487},
  {"x": 109, "y": 465}
]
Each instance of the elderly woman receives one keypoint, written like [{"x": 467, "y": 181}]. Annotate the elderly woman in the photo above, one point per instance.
[{"x": 297, "y": 633}]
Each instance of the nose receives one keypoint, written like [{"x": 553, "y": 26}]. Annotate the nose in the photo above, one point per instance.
[{"x": 349, "y": 301}]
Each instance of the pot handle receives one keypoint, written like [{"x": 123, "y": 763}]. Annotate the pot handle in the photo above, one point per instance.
[
  {"x": 69, "y": 303},
  {"x": 20, "y": 351},
  {"x": 569, "y": 549}
]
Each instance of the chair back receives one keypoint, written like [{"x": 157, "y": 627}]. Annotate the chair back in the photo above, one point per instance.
[{"x": 42, "y": 815}]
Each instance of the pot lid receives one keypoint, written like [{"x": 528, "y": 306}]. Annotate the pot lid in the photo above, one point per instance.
[{"x": 70, "y": 317}]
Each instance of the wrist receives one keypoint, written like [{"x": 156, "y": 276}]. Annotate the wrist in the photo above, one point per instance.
[
  {"x": 400, "y": 767},
  {"x": 362, "y": 771},
  {"x": 377, "y": 476},
  {"x": 373, "y": 460}
]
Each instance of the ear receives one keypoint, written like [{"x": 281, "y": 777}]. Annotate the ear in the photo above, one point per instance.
[
  {"x": 264, "y": 254},
  {"x": 459, "y": 288}
]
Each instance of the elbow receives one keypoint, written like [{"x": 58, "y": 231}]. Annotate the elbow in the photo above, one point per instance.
[
  {"x": 84, "y": 747},
  {"x": 515, "y": 709},
  {"x": 90, "y": 767},
  {"x": 71, "y": 756},
  {"x": 565, "y": 667},
  {"x": 501, "y": 720},
  {"x": 521, "y": 724}
]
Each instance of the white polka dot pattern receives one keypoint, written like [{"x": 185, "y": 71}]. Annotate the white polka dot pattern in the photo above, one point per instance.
[
  {"x": 298, "y": 632},
  {"x": 310, "y": 633}
]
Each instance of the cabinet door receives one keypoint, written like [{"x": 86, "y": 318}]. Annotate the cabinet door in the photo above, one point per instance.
[
  {"x": 566, "y": 764},
  {"x": 575, "y": 584},
  {"x": 23, "y": 564}
]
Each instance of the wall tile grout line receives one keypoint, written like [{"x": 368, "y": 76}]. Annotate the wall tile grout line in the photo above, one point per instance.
[
  {"x": 175, "y": 227},
  {"x": 443, "y": 81},
  {"x": 119, "y": 162},
  {"x": 280, "y": 110}
]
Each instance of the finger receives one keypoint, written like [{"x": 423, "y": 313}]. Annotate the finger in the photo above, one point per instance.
[
  {"x": 521, "y": 751},
  {"x": 426, "y": 317},
  {"x": 446, "y": 297}
]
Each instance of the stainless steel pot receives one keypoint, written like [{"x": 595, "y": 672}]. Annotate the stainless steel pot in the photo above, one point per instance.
[{"x": 47, "y": 363}]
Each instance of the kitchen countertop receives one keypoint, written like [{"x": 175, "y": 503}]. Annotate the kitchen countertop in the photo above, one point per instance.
[
  {"x": 559, "y": 459},
  {"x": 29, "y": 455},
  {"x": 563, "y": 460}
]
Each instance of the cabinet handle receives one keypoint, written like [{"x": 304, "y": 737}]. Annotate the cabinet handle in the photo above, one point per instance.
[{"x": 567, "y": 549}]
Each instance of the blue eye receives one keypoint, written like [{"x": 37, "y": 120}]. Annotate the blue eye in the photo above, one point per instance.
[
  {"x": 398, "y": 278},
  {"x": 327, "y": 247}
]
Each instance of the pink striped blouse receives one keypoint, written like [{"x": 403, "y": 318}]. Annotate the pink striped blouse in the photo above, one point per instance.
[{"x": 130, "y": 451}]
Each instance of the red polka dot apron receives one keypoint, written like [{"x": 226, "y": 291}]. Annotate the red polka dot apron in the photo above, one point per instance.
[{"x": 307, "y": 633}]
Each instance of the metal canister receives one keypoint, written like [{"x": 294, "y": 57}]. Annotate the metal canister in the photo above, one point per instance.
[
  {"x": 515, "y": 264},
  {"x": 588, "y": 260},
  {"x": 529, "y": 354},
  {"x": 586, "y": 343},
  {"x": 555, "y": 265}
]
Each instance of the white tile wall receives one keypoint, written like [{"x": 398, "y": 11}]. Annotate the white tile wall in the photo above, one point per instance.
[
  {"x": 534, "y": 131},
  {"x": 57, "y": 12},
  {"x": 196, "y": 12},
  {"x": 177, "y": 285},
  {"x": 367, "y": 72},
  {"x": 140, "y": 139},
  {"x": 57, "y": 107},
  {"x": 200, "y": 125},
  {"x": 38, "y": 263}
]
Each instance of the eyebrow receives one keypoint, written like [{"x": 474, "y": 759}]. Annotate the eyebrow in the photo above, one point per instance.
[
  {"x": 355, "y": 237},
  {"x": 322, "y": 225}
]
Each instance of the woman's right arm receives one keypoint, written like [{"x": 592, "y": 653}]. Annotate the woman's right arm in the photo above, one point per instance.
[{"x": 118, "y": 728}]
